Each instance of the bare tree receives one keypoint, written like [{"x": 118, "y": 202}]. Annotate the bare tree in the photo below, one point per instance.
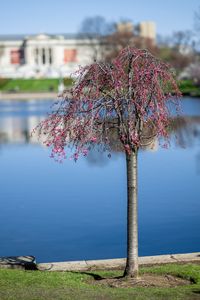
[
  {"x": 95, "y": 29},
  {"x": 121, "y": 39},
  {"x": 197, "y": 20},
  {"x": 182, "y": 38}
]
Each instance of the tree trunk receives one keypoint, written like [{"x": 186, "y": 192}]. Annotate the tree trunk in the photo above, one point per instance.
[{"x": 131, "y": 269}]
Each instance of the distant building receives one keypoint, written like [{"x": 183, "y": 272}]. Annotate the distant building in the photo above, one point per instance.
[
  {"x": 55, "y": 56},
  {"x": 147, "y": 29},
  {"x": 125, "y": 27},
  {"x": 43, "y": 55}
]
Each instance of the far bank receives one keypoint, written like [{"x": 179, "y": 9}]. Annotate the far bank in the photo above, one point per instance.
[{"x": 48, "y": 88}]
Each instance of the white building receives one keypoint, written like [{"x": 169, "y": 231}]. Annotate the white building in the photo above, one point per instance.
[
  {"x": 43, "y": 55},
  {"x": 55, "y": 56}
]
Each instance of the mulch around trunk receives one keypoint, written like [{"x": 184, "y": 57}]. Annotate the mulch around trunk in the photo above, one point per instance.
[{"x": 146, "y": 280}]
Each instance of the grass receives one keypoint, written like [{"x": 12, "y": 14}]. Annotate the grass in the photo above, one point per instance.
[
  {"x": 32, "y": 85},
  {"x": 37, "y": 285},
  {"x": 187, "y": 87}
]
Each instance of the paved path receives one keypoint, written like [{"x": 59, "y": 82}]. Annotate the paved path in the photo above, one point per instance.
[
  {"x": 27, "y": 96},
  {"x": 86, "y": 265}
]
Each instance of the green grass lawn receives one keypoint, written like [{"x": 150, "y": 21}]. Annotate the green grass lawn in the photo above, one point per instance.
[
  {"x": 51, "y": 85},
  {"x": 38, "y": 285},
  {"x": 187, "y": 87},
  {"x": 32, "y": 85}
]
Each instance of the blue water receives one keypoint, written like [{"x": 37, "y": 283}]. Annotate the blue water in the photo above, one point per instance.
[{"x": 75, "y": 211}]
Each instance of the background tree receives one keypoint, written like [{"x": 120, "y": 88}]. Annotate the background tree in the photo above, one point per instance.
[
  {"x": 193, "y": 72},
  {"x": 121, "y": 39},
  {"x": 197, "y": 31},
  {"x": 131, "y": 96},
  {"x": 177, "y": 49},
  {"x": 125, "y": 35},
  {"x": 95, "y": 29},
  {"x": 182, "y": 40},
  {"x": 197, "y": 20},
  {"x": 177, "y": 60}
]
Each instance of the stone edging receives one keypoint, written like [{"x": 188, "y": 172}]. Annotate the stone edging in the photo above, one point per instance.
[
  {"x": 86, "y": 265},
  {"x": 28, "y": 96}
]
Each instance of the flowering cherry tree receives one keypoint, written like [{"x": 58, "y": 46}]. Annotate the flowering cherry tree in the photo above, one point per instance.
[{"x": 132, "y": 96}]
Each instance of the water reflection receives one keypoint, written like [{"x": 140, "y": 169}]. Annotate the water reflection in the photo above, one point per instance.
[
  {"x": 18, "y": 118},
  {"x": 187, "y": 130},
  {"x": 17, "y": 128}
]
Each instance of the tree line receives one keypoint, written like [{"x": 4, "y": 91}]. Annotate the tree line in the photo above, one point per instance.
[{"x": 180, "y": 50}]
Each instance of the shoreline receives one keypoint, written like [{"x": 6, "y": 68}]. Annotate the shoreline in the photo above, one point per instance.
[
  {"x": 29, "y": 262},
  {"x": 118, "y": 263},
  {"x": 47, "y": 96},
  {"x": 28, "y": 96}
]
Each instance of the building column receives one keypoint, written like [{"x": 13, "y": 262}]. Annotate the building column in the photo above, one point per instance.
[
  {"x": 46, "y": 56},
  {"x": 28, "y": 55}
]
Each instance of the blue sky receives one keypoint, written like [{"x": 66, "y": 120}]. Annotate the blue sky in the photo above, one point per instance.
[{"x": 65, "y": 16}]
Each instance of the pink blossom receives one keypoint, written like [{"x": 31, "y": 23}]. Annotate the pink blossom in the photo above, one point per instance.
[
  {"x": 85, "y": 152},
  {"x": 93, "y": 139}
]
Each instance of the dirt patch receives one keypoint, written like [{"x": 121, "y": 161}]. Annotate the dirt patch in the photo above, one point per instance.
[{"x": 146, "y": 280}]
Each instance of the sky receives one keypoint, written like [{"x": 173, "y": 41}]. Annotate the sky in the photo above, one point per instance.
[{"x": 65, "y": 16}]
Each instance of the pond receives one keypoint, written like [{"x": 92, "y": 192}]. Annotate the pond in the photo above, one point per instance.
[{"x": 75, "y": 211}]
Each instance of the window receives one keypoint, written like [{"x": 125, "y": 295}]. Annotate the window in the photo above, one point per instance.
[
  {"x": 15, "y": 57},
  {"x": 43, "y": 56},
  {"x": 70, "y": 55}
]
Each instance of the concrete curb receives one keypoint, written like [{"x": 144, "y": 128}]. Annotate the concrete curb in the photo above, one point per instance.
[
  {"x": 87, "y": 265},
  {"x": 28, "y": 96}
]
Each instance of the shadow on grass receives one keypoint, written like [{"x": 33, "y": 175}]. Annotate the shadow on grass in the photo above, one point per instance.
[{"x": 96, "y": 276}]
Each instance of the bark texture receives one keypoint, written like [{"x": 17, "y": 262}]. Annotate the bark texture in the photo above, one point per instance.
[{"x": 131, "y": 269}]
